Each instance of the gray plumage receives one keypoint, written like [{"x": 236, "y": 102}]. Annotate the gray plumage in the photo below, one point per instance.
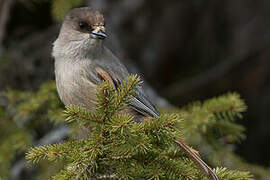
[{"x": 80, "y": 58}]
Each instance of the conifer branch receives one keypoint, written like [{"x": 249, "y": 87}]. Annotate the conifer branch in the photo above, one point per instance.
[
  {"x": 196, "y": 159},
  {"x": 127, "y": 90},
  {"x": 171, "y": 167},
  {"x": 165, "y": 121},
  {"x": 81, "y": 115},
  {"x": 120, "y": 148},
  {"x": 225, "y": 174},
  {"x": 65, "y": 174},
  {"x": 50, "y": 152},
  {"x": 112, "y": 100},
  {"x": 105, "y": 101}
]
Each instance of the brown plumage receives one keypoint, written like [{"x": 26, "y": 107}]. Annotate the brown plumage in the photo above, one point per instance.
[
  {"x": 82, "y": 62},
  {"x": 86, "y": 19}
]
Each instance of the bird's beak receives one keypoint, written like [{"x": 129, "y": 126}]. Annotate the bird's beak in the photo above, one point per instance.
[{"x": 98, "y": 33}]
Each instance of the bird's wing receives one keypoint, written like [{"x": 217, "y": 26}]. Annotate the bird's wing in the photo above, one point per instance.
[{"x": 140, "y": 103}]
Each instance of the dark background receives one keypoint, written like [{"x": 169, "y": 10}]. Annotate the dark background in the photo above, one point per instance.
[{"x": 186, "y": 50}]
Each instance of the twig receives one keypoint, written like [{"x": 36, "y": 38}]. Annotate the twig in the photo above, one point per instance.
[{"x": 198, "y": 161}]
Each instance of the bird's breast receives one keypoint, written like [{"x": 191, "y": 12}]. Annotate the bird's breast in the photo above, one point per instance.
[{"x": 73, "y": 86}]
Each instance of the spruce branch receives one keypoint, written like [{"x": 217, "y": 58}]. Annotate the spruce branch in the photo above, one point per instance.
[
  {"x": 120, "y": 123},
  {"x": 126, "y": 91},
  {"x": 120, "y": 148},
  {"x": 173, "y": 172},
  {"x": 81, "y": 115},
  {"x": 214, "y": 118},
  {"x": 226, "y": 174},
  {"x": 65, "y": 174},
  {"x": 111, "y": 100},
  {"x": 165, "y": 121},
  {"x": 50, "y": 152},
  {"x": 105, "y": 100},
  {"x": 196, "y": 159}
]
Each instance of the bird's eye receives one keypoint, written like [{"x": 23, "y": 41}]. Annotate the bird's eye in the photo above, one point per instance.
[{"x": 82, "y": 25}]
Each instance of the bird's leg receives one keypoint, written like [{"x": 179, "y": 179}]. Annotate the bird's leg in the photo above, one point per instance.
[{"x": 197, "y": 160}]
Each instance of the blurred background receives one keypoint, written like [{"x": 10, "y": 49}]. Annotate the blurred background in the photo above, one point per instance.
[{"x": 185, "y": 50}]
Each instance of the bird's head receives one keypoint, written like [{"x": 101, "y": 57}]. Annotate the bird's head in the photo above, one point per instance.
[
  {"x": 85, "y": 22},
  {"x": 82, "y": 31}
]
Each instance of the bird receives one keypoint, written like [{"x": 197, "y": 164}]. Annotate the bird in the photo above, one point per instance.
[{"x": 82, "y": 63}]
